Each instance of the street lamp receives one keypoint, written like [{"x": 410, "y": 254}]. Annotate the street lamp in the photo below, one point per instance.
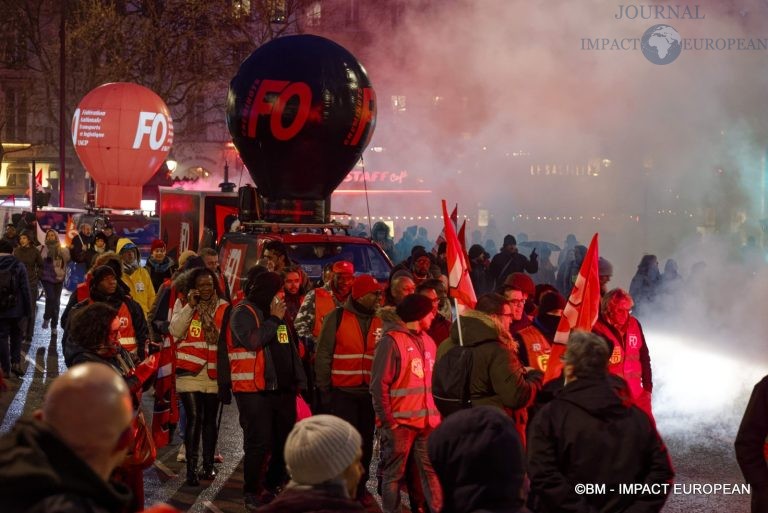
[{"x": 171, "y": 165}]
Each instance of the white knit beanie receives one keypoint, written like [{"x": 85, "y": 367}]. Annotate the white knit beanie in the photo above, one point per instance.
[{"x": 320, "y": 448}]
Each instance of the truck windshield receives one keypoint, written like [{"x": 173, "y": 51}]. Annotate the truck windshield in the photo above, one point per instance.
[{"x": 367, "y": 259}]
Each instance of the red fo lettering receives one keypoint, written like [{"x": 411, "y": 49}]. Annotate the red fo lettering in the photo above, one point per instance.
[{"x": 274, "y": 107}]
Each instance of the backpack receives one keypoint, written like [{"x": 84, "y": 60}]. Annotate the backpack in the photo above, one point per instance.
[
  {"x": 451, "y": 378},
  {"x": 8, "y": 297}
]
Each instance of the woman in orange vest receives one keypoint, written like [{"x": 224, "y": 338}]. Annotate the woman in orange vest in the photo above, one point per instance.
[{"x": 196, "y": 327}]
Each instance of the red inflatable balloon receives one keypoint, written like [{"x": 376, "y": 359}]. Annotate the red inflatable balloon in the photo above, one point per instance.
[{"x": 122, "y": 133}]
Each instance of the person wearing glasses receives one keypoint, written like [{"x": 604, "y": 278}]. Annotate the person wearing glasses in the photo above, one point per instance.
[
  {"x": 629, "y": 357},
  {"x": 343, "y": 363},
  {"x": 517, "y": 288}
]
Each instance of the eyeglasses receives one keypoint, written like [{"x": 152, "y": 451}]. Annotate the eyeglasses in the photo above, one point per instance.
[{"x": 516, "y": 302}]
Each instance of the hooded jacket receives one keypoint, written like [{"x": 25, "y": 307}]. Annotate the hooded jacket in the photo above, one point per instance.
[
  {"x": 23, "y": 294},
  {"x": 39, "y": 473},
  {"x": 139, "y": 281},
  {"x": 478, "y": 457},
  {"x": 321, "y": 498},
  {"x": 496, "y": 378},
  {"x": 589, "y": 434},
  {"x": 31, "y": 258}
]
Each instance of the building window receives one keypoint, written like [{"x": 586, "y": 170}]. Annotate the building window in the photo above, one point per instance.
[
  {"x": 314, "y": 15},
  {"x": 195, "y": 122},
  {"x": 15, "y": 115},
  {"x": 398, "y": 103},
  {"x": 14, "y": 49}
]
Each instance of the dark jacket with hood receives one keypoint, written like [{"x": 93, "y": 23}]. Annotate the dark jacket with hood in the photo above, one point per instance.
[
  {"x": 160, "y": 271},
  {"x": 478, "y": 457},
  {"x": 507, "y": 262},
  {"x": 589, "y": 434},
  {"x": 23, "y": 294},
  {"x": 497, "y": 379},
  {"x": 750, "y": 445},
  {"x": 40, "y": 474},
  {"x": 33, "y": 261},
  {"x": 283, "y": 369}
]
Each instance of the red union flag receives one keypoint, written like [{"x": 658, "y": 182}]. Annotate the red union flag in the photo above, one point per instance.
[
  {"x": 581, "y": 311},
  {"x": 459, "y": 283},
  {"x": 441, "y": 238}
]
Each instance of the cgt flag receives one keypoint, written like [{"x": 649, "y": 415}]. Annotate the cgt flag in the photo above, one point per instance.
[
  {"x": 459, "y": 283},
  {"x": 581, "y": 311},
  {"x": 441, "y": 238}
]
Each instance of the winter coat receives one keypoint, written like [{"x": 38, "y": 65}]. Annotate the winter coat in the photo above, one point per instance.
[
  {"x": 751, "y": 446},
  {"x": 160, "y": 271},
  {"x": 82, "y": 249},
  {"x": 497, "y": 378},
  {"x": 54, "y": 264},
  {"x": 321, "y": 498},
  {"x": 39, "y": 473},
  {"x": 23, "y": 292},
  {"x": 478, "y": 457},
  {"x": 506, "y": 263},
  {"x": 30, "y": 257},
  {"x": 139, "y": 281},
  {"x": 589, "y": 434}
]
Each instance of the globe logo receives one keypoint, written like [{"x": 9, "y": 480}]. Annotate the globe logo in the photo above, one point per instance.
[{"x": 661, "y": 44}]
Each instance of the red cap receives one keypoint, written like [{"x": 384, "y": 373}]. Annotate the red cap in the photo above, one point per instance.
[
  {"x": 343, "y": 266},
  {"x": 156, "y": 244},
  {"x": 365, "y": 284}
]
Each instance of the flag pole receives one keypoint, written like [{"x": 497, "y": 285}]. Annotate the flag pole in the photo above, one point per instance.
[{"x": 458, "y": 319}]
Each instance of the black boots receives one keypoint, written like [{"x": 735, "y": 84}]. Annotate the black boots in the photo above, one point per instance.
[
  {"x": 192, "y": 479},
  {"x": 208, "y": 472}
]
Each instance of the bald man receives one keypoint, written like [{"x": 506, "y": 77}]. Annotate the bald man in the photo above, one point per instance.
[{"x": 61, "y": 460}]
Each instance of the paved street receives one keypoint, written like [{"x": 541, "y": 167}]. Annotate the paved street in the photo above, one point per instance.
[{"x": 701, "y": 456}]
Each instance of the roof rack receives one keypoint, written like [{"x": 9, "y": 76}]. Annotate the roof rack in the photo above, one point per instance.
[{"x": 273, "y": 227}]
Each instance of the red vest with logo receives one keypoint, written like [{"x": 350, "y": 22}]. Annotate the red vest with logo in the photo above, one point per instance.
[
  {"x": 193, "y": 352},
  {"x": 353, "y": 353},
  {"x": 537, "y": 346},
  {"x": 127, "y": 331},
  {"x": 625, "y": 359},
  {"x": 324, "y": 304},
  {"x": 246, "y": 367},
  {"x": 411, "y": 392}
]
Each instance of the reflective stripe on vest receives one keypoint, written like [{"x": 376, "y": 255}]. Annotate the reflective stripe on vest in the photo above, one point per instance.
[
  {"x": 324, "y": 304},
  {"x": 411, "y": 392},
  {"x": 353, "y": 354},
  {"x": 127, "y": 331},
  {"x": 537, "y": 346},
  {"x": 625, "y": 359},
  {"x": 193, "y": 352},
  {"x": 246, "y": 367}
]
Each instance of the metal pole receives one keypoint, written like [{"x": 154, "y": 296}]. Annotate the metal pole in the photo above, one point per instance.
[
  {"x": 62, "y": 98},
  {"x": 33, "y": 189},
  {"x": 458, "y": 321}
]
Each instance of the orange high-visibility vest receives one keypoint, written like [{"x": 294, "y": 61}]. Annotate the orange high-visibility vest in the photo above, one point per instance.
[
  {"x": 193, "y": 352},
  {"x": 537, "y": 346},
  {"x": 625, "y": 359},
  {"x": 353, "y": 353},
  {"x": 411, "y": 392},
  {"x": 246, "y": 367},
  {"x": 324, "y": 304}
]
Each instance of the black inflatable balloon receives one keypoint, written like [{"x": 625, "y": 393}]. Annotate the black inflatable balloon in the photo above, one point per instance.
[{"x": 301, "y": 110}]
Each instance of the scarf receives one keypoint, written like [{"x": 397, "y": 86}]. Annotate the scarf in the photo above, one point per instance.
[
  {"x": 53, "y": 249},
  {"x": 130, "y": 268},
  {"x": 160, "y": 267},
  {"x": 207, "y": 310}
]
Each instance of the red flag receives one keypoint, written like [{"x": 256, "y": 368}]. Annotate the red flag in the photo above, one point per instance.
[
  {"x": 463, "y": 237},
  {"x": 71, "y": 231},
  {"x": 581, "y": 311},
  {"x": 39, "y": 178},
  {"x": 459, "y": 283},
  {"x": 441, "y": 238}
]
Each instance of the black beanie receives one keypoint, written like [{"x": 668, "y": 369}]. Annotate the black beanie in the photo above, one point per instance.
[
  {"x": 101, "y": 272},
  {"x": 414, "y": 308}
]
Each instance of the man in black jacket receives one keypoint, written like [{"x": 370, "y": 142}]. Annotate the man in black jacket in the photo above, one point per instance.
[
  {"x": 14, "y": 275},
  {"x": 589, "y": 434},
  {"x": 61, "y": 460},
  {"x": 509, "y": 261}
]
